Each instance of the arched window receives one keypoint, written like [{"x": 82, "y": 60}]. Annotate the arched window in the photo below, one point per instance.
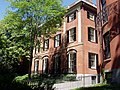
[
  {"x": 71, "y": 57},
  {"x": 45, "y": 65},
  {"x": 36, "y": 66}
]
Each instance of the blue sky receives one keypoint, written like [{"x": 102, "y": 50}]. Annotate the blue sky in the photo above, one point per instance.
[{"x": 4, "y": 5}]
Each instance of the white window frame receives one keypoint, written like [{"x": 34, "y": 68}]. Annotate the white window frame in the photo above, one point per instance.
[
  {"x": 93, "y": 60},
  {"x": 57, "y": 40},
  {"x": 94, "y": 34},
  {"x": 70, "y": 61},
  {"x": 71, "y": 17},
  {"x": 93, "y": 79},
  {"x": 72, "y": 35},
  {"x": 46, "y": 44},
  {"x": 45, "y": 61},
  {"x": 36, "y": 66},
  {"x": 91, "y": 16}
]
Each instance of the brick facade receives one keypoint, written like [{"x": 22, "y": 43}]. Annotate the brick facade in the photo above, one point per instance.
[
  {"x": 110, "y": 10},
  {"x": 79, "y": 45}
]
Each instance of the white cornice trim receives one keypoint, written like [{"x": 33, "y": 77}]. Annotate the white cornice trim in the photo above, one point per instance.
[{"x": 91, "y": 4}]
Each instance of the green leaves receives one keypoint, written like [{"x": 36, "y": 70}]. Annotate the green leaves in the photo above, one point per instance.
[{"x": 25, "y": 21}]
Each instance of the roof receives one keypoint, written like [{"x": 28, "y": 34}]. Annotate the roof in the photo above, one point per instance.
[{"x": 78, "y": 1}]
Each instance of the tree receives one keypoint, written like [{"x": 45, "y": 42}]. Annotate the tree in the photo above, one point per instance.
[{"x": 29, "y": 19}]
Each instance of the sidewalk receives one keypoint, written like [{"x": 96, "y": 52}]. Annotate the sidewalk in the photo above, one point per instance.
[{"x": 68, "y": 85}]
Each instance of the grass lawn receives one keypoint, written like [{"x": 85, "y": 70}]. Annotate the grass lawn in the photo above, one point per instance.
[{"x": 100, "y": 87}]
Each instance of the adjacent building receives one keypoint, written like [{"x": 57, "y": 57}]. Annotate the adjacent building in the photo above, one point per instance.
[
  {"x": 75, "y": 48},
  {"x": 108, "y": 27}
]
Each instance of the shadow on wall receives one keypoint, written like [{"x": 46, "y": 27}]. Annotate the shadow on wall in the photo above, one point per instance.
[
  {"x": 116, "y": 64},
  {"x": 58, "y": 58}
]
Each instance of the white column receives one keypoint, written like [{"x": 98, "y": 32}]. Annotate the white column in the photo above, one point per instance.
[
  {"x": 79, "y": 25},
  {"x": 64, "y": 25}
]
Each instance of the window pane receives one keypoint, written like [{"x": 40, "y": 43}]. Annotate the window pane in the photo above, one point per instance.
[
  {"x": 57, "y": 40},
  {"x": 46, "y": 45},
  {"x": 107, "y": 45},
  {"x": 72, "y": 62},
  {"x": 72, "y": 35},
  {"x": 45, "y": 65},
  {"x": 92, "y": 35},
  {"x": 92, "y": 60},
  {"x": 93, "y": 79}
]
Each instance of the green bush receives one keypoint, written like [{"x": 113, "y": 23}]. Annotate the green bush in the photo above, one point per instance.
[{"x": 20, "y": 79}]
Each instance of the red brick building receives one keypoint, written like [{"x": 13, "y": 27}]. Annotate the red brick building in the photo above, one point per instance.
[
  {"x": 108, "y": 26},
  {"x": 74, "y": 49}
]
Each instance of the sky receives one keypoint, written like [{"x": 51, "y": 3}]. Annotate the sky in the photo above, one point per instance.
[{"x": 4, "y": 5}]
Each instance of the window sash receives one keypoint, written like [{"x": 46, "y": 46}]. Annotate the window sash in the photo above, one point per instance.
[
  {"x": 107, "y": 45},
  {"x": 71, "y": 17},
  {"x": 45, "y": 65},
  {"x": 92, "y": 35},
  {"x": 57, "y": 40},
  {"x": 71, "y": 62},
  {"x": 36, "y": 67},
  {"x": 72, "y": 35},
  {"x": 93, "y": 60},
  {"x": 93, "y": 79},
  {"x": 46, "y": 45},
  {"x": 103, "y": 2},
  {"x": 90, "y": 16}
]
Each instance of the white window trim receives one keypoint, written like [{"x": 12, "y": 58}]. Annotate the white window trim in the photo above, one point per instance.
[
  {"x": 71, "y": 17},
  {"x": 71, "y": 35},
  {"x": 95, "y": 80},
  {"x": 46, "y": 44},
  {"x": 91, "y": 16},
  {"x": 57, "y": 40},
  {"x": 35, "y": 67},
  {"x": 95, "y": 61},
  {"x": 69, "y": 61},
  {"x": 44, "y": 63},
  {"x": 94, "y": 38}
]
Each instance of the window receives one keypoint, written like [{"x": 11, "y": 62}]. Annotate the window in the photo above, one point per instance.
[
  {"x": 93, "y": 78},
  {"x": 104, "y": 9},
  {"x": 45, "y": 65},
  {"x": 103, "y": 2},
  {"x": 93, "y": 58},
  {"x": 57, "y": 64},
  {"x": 71, "y": 35},
  {"x": 71, "y": 17},
  {"x": 37, "y": 47},
  {"x": 57, "y": 40},
  {"x": 71, "y": 62},
  {"x": 36, "y": 67},
  {"x": 46, "y": 45},
  {"x": 107, "y": 45},
  {"x": 90, "y": 16},
  {"x": 92, "y": 34}
]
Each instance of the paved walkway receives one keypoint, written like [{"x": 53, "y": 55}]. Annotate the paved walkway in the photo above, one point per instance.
[{"x": 68, "y": 85}]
